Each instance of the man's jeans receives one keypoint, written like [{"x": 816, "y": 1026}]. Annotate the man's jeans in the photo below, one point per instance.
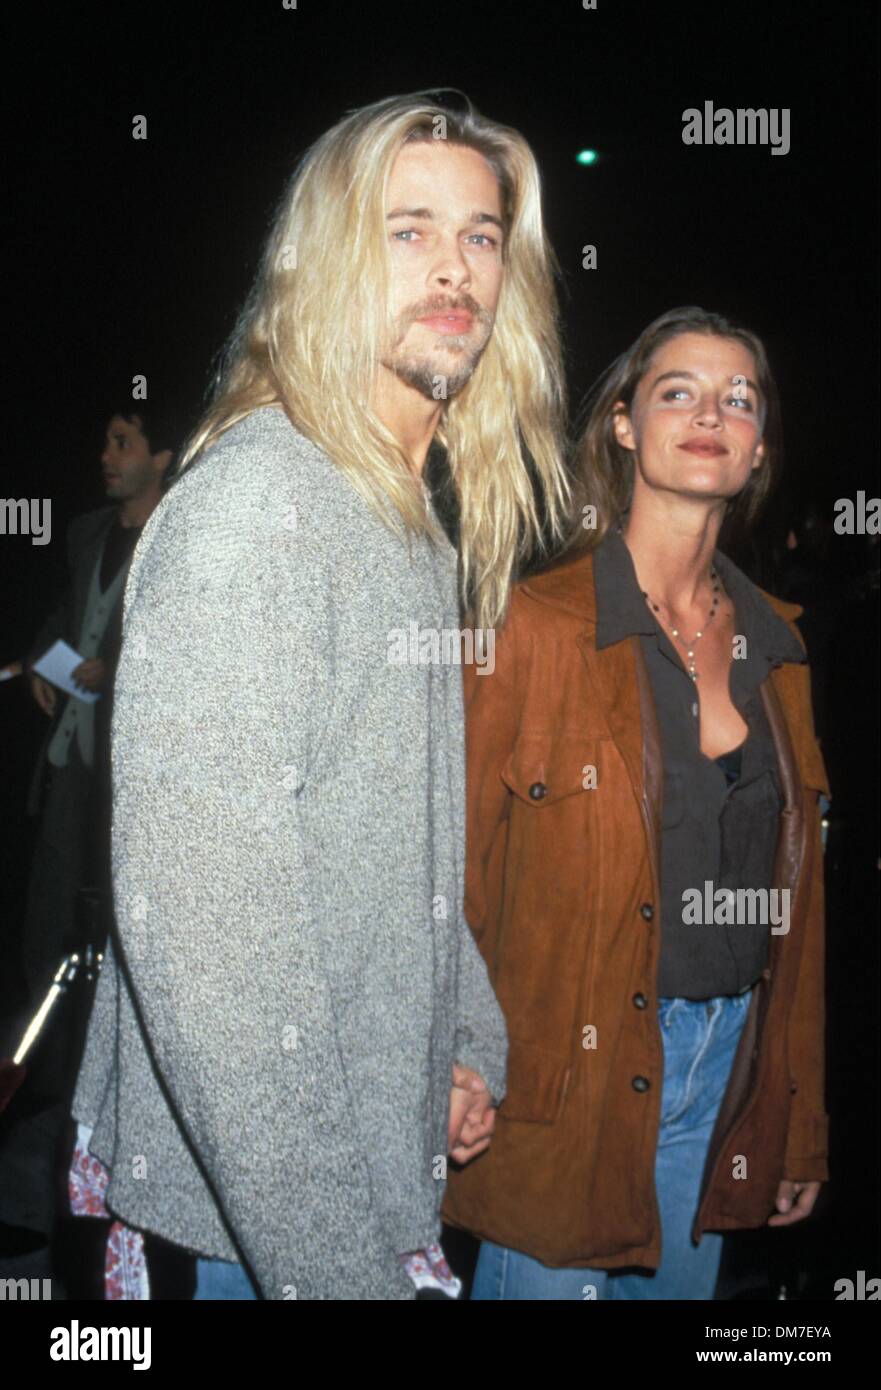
[
  {"x": 222, "y": 1279},
  {"x": 700, "y": 1039}
]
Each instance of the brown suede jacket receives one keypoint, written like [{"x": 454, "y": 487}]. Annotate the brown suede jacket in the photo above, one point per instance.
[{"x": 562, "y": 895}]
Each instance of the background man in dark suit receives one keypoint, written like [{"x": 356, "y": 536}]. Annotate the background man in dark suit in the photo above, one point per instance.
[
  {"x": 70, "y": 778},
  {"x": 69, "y": 885}
]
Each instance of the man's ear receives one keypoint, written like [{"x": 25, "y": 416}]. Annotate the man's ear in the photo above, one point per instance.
[
  {"x": 162, "y": 460},
  {"x": 622, "y": 426}
]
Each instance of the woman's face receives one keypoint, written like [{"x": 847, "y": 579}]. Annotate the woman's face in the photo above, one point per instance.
[{"x": 696, "y": 419}]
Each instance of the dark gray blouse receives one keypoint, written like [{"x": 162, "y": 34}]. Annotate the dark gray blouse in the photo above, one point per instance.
[{"x": 720, "y": 817}]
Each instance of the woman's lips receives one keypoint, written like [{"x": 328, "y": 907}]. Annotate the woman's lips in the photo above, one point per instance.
[
  {"x": 448, "y": 323},
  {"x": 708, "y": 450}
]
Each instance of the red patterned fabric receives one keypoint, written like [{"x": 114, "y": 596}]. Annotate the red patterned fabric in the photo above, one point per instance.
[
  {"x": 125, "y": 1267},
  {"x": 428, "y": 1269}
]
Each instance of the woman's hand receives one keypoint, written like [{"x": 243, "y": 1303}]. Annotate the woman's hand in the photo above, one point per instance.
[
  {"x": 472, "y": 1115},
  {"x": 795, "y": 1200}
]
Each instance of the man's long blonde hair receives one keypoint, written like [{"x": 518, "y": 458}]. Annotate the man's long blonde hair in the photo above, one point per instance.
[{"x": 311, "y": 332}]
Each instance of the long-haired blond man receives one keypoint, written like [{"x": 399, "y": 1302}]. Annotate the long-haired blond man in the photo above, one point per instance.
[{"x": 294, "y": 1029}]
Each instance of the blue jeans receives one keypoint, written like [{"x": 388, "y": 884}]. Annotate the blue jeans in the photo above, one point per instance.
[
  {"x": 700, "y": 1039},
  {"x": 222, "y": 1279}
]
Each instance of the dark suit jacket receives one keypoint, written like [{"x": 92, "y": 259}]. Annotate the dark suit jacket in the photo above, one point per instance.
[{"x": 85, "y": 538}]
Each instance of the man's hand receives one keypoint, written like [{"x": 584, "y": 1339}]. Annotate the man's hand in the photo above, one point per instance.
[
  {"x": 44, "y": 694},
  {"x": 795, "y": 1200},
  {"x": 472, "y": 1115},
  {"x": 90, "y": 674}
]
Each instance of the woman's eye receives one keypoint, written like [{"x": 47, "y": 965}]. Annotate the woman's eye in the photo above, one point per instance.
[
  {"x": 674, "y": 391},
  {"x": 740, "y": 400}
]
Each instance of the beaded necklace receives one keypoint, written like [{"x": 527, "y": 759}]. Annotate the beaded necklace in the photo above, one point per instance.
[{"x": 688, "y": 646}]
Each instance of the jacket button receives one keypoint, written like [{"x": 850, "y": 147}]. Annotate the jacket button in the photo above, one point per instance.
[
  {"x": 640, "y": 1001},
  {"x": 647, "y": 911},
  {"x": 640, "y": 1083},
  {"x": 538, "y": 790}
]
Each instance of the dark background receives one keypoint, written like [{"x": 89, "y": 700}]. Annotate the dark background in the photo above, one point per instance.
[{"x": 133, "y": 256}]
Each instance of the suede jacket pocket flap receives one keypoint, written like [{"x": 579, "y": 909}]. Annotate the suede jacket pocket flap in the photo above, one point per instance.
[{"x": 544, "y": 768}]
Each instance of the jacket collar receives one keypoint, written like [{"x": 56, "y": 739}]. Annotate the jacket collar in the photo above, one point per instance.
[
  {"x": 621, "y": 685},
  {"x": 570, "y": 585}
]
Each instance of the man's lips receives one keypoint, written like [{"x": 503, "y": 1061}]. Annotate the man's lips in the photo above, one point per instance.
[
  {"x": 454, "y": 322},
  {"x": 701, "y": 446}
]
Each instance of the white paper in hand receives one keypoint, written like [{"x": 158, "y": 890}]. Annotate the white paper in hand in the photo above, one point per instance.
[{"x": 55, "y": 666}]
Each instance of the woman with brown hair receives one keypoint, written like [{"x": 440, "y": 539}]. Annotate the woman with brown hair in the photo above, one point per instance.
[{"x": 644, "y": 866}]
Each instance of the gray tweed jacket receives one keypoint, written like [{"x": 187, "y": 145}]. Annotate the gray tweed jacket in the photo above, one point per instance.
[{"x": 268, "y": 1063}]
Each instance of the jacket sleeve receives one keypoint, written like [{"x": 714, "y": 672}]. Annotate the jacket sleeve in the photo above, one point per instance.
[
  {"x": 807, "y": 1137},
  {"x": 806, "y": 1157},
  {"x": 212, "y": 742},
  {"x": 481, "y": 1036},
  {"x": 59, "y": 621},
  {"x": 491, "y": 722}
]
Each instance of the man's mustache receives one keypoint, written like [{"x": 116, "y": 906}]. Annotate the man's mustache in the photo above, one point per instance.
[{"x": 430, "y": 308}]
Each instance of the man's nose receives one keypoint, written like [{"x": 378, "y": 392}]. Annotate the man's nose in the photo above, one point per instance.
[{"x": 451, "y": 268}]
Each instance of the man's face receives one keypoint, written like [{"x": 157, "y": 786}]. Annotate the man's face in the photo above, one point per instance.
[
  {"x": 128, "y": 467},
  {"x": 444, "y": 220}
]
